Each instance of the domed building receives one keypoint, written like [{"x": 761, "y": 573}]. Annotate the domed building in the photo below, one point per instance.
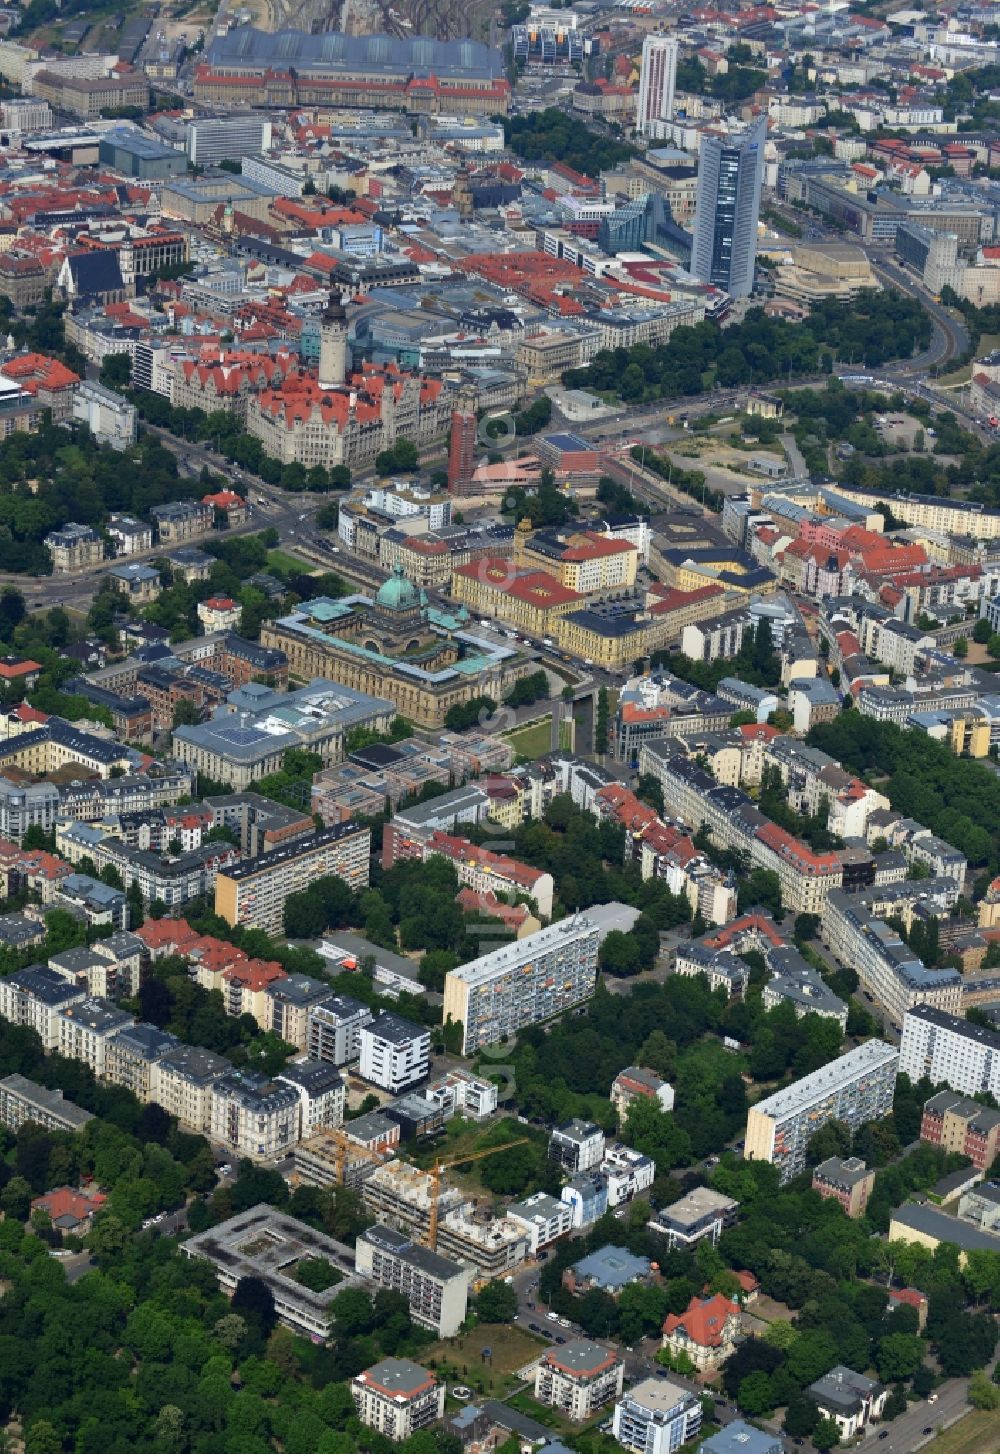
[{"x": 423, "y": 657}]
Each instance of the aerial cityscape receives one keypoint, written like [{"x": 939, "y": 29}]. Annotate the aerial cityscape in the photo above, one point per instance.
[{"x": 499, "y": 727}]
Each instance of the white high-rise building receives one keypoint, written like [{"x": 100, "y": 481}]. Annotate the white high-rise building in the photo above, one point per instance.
[
  {"x": 947, "y": 1048},
  {"x": 657, "y": 81}
]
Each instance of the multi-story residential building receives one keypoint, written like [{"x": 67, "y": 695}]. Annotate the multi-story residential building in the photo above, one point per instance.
[
  {"x": 657, "y": 81},
  {"x": 577, "y": 1146},
  {"x": 397, "y": 1398},
  {"x": 334, "y": 1029},
  {"x": 289, "y": 1004},
  {"x": 253, "y": 894},
  {"x": 850, "y": 1399},
  {"x": 579, "y": 1378},
  {"x": 73, "y": 548},
  {"x": 847, "y": 1180},
  {"x": 182, "y": 1082},
  {"x": 944, "y": 1047},
  {"x": 87, "y": 1028},
  {"x": 436, "y": 1288},
  {"x": 321, "y": 1092},
  {"x": 627, "y": 1173},
  {"x": 543, "y": 1217},
  {"x": 523, "y": 983},
  {"x": 132, "y": 1054},
  {"x": 481, "y": 869},
  {"x": 111, "y": 970},
  {"x": 805, "y": 877},
  {"x": 109, "y": 416},
  {"x": 656, "y": 1417},
  {"x": 858, "y": 935},
  {"x": 26, "y": 805},
  {"x": 24, "y": 1100},
  {"x": 459, "y": 1093},
  {"x": 252, "y": 1116},
  {"x": 181, "y": 520},
  {"x": 395, "y": 1054},
  {"x": 636, "y": 1083},
  {"x": 856, "y": 1088},
  {"x": 702, "y": 1213},
  {"x": 958, "y": 1124},
  {"x": 706, "y": 1331},
  {"x": 36, "y": 997}
]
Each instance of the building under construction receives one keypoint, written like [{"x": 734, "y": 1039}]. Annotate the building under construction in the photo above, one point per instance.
[
  {"x": 402, "y": 1196},
  {"x": 332, "y": 1159}
]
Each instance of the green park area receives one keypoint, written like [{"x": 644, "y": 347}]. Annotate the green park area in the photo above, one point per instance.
[
  {"x": 532, "y": 740},
  {"x": 464, "y": 1360},
  {"x": 977, "y": 1433}
]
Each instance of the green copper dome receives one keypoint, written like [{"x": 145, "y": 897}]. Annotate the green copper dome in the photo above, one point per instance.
[{"x": 398, "y": 594}]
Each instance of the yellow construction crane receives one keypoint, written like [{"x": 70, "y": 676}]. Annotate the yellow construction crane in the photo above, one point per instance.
[{"x": 439, "y": 1166}]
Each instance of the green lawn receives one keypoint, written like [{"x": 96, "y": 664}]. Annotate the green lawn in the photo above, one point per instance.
[
  {"x": 280, "y": 560},
  {"x": 977, "y": 1433},
  {"x": 460, "y": 1360},
  {"x": 532, "y": 741}
]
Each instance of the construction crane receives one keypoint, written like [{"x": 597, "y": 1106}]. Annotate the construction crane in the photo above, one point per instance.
[{"x": 439, "y": 1166}]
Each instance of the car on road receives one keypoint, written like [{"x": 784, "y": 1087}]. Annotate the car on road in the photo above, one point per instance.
[
  {"x": 884, "y": 1434},
  {"x": 560, "y": 1339},
  {"x": 928, "y": 1430},
  {"x": 552, "y": 1317},
  {"x": 534, "y": 1328}
]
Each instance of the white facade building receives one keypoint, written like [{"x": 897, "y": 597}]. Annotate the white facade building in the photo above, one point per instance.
[
  {"x": 394, "y": 1053},
  {"x": 579, "y": 1378},
  {"x": 397, "y": 1398},
  {"x": 947, "y": 1048},
  {"x": 657, "y": 81},
  {"x": 656, "y": 1417}
]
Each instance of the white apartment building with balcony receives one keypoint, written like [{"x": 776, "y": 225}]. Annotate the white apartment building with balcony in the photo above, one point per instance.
[
  {"x": 86, "y": 1030},
  {"x": 524, "y": 982},
  {"x": 395, "y": 1054},
  {"x": 397, "y": 1398},
  {"x": 856, "y": 1088},
  {"x": 579, "y": 1378},
  {"x": 947, "y": 1048},
  {"x": 436, "y": 1288},
  {"x": 656, "y": 1417}
]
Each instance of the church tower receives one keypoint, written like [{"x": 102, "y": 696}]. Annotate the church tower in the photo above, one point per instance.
[{"x": 333, "y": 344}]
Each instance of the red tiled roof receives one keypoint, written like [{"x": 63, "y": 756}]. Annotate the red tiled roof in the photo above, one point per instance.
[{"x": 704, "y": 1320}]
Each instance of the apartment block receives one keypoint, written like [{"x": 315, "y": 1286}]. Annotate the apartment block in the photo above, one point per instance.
[
  {"x": 627, "y": 1173},
  {"x": 657, "y": 1417},
  {"x": 459, "y": 1093},
  {"x": 395, "y": 1054},
  {"x": 289, "y": 1003},
  {"x": 523, "y": 983},
  {"x": 856, "y": 1088},
  {"x": 397, "y": 1398},
  {"x": 477, "y": 867},
  {"x": 436, "y": 1288},
  {"x": 847, "y": 1180},
  {"x": 132, "y": 1054},
  {"x": 36, "y": 996},
  {"x": 958, "y": 1124},
  {"x": 334, "y": 1029},
  {"x": 321, "y": 1092},
  {"x": 252, "y": 1116},
  {"x": 87, "y": 1028},
  {"x": 182, "y": 1083},
  {"x": 543, "y": 1218},
  {"x": 944, "y": 1047},
  {"x": 577, "y": 1146},
  {"x": 579, "y": 1378},
  {"x": 25, "y": 1100},
  {"x": 856, "y": 932},
  {"x": 254, "y": 893}
]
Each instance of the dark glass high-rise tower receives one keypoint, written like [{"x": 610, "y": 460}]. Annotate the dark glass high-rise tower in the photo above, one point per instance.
[{"x": 730, "y": 173}]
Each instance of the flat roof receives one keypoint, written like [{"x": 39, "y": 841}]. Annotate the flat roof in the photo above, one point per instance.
[{"x": 870, "y": 1056}]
